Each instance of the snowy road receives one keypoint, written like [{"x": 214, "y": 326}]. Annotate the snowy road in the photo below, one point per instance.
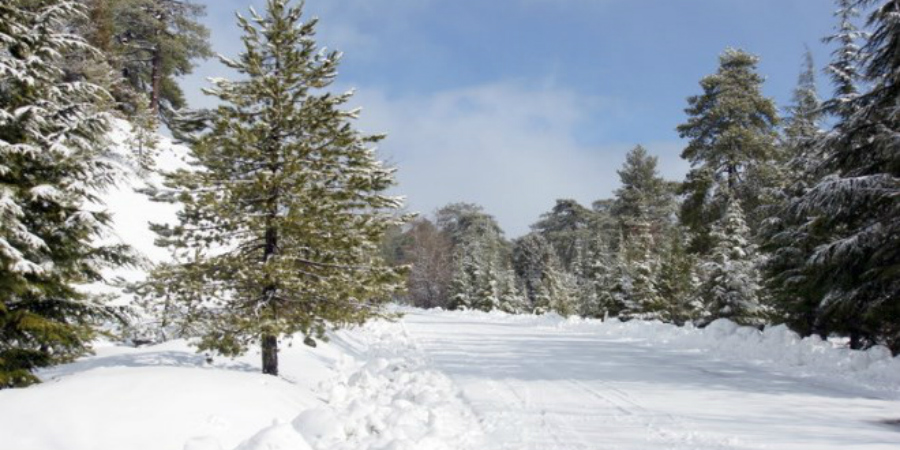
[{"x": 542, "y": 388}]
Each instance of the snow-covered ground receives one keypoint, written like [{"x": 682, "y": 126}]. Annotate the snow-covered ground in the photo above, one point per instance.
[
  {"x": 467, "y": 380},
  {"x": 550, "y": 383}
]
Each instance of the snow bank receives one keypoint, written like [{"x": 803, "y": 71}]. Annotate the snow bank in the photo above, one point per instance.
[
  {"x": 389, "y": 400},
  {"x": 149, "y": 399},
  {"x": 776, "y": 346}
]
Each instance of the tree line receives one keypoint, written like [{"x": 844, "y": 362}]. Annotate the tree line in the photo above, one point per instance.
[{"x": 782, "y": 218}]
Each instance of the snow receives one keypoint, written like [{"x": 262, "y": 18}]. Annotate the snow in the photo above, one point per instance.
[
  {"x": 439, "y": 380},
  {"x": 132, "y": 211},
  {"x": 539, "y": 382}
]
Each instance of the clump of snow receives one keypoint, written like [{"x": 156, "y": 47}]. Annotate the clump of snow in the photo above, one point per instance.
[
  {"x": 276, "y": 437},
  {"x": 391, "y": 400}
]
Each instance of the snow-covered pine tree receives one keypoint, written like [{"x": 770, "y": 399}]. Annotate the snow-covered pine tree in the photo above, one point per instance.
[
  {"x": 52, "y": 166},
  {"x": 642, "y": 265},
  {"x": 644, "y": 195},
  {"x": 731, "y": 132},
  {"x": 616, "y": 284},
  {"x": 845, "y": 68},
  {"x": 512, "y": 300},
  {"x": 788, "y": 239},
  {"x": 677, "y": 280},
  {"x": 729, "y": 273},
  {"x": 548, "y": 287},
  {"x": 481, "y": 261},
  {"x": 590, "y": 270},
  {"x": 858, "y": 203},
  {"x": 151, "y": 43},
  {"x": 285, "y": 210},
  {"x": 644, "y": 208},
  {"x": 564, "y": 227}
]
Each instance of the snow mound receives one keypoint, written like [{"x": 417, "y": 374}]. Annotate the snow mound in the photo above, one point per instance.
[
  {"x": 776, "y": 346},
  {"x": 276, "y": 437},
  {"x": 391, "y": 400}
]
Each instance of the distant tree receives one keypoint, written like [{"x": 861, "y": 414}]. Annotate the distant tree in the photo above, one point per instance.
[
  {"x": 729, "y": 276},
  {"x": 53, "y": 165},
  {"x": 284, "y": 212},
  {"x": 731, "y": 133},
  {"x": 644, "y": 197},
  {"x": 677, "y": 280},
  {"x": 429, "y": 254},
  {"x": 642, "y": 266},
  {"x": 480, "y": 258},
  {"x": 547, "y": 286},
  {"x": 565, "y": 227}
]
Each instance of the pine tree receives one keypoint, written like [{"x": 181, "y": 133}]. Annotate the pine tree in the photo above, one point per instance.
[
  {"x": 284, "y": 212},
  {"x": 616, "y": 285},
  {"x": 481, "y": 258},
  {"x": 731, "y": 128},
  {"x": 787, "y": 239},
  {"x": 590, "y": 272},
  {"x": 677, "y": 280},
  {"x": 847, "y": 58},
  {"x": 547, "y": 286},
  {"x": 150, "y": 43},
  {"x": 52, "y": 166},
  {"x": 644, "y": 196},
  {"x": 730, "y": 279},
  {"x": 642, "y": 265},
  {"x": 565, "y": 227},
  {"x": 857, "y": 205}
]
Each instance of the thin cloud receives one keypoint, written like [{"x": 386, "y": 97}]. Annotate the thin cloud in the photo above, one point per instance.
[{"x": 506, "y": 146}]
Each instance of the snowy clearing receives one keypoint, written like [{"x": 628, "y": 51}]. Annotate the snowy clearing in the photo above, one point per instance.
[{"x": 462, "y": 380}]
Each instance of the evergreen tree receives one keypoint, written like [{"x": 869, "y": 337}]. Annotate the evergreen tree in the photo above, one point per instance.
[
  {"x": 642, "y": 300},
  {"x": 565, "y": 227},
  {"x": 52, "y": 165},
  {"x": 645, "y": 198},
  {"x": 151, "y": 43},
  {"x": 590, "y": 272},
  {"x": 481, "y": 275},
  {"x": 677, "y": 280},
  {"x": 857, "y": 206},
  {"x": 547, "y": 286},
  {"x": 731, "y": 132},
  {"x": 616, "y": 285},
  {"x": 847, "y": 58},
  {"x": 284, "y": 213},
  {"x": 730, "y": 279},
  {"x": 788, "y": 239}
]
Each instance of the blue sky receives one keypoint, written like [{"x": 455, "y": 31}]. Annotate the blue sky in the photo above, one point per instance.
[{"x": 514, "y": 103}]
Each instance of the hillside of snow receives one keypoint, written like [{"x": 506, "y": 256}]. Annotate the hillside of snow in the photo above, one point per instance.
[{"x": 132, "y": 211}]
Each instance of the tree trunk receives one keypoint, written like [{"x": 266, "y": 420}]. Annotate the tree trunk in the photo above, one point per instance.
[
  {"x": 270, "y": 355},
  {"x": 156, "y": 81},
  {"x": 856, "y": 341}
]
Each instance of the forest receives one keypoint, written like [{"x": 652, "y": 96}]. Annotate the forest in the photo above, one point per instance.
[{"x": 789, "y": 214}]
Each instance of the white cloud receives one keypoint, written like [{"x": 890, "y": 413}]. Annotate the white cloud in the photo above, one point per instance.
[{"x": 506, "y": 146}]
